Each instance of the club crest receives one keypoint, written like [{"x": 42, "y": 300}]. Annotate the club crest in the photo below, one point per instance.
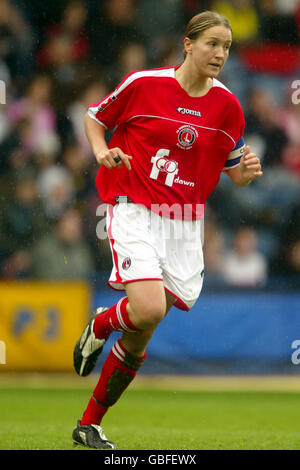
[
  {"x": 186, "y": 137},
  {"x": 126, "y": 263}
]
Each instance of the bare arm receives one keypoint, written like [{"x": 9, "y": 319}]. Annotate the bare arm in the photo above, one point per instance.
[
  {"x": 248, "y": 169},
  {"x": 95, "y": 133}
]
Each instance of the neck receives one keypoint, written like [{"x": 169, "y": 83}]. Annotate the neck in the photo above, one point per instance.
[{"x": 193, "y": 83}]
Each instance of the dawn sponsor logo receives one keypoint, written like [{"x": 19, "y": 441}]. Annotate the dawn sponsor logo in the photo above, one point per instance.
[{"x": 184, "y": 182}]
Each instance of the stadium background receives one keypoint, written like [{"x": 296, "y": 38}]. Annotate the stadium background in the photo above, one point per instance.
[{"x": 54, "y": 62}]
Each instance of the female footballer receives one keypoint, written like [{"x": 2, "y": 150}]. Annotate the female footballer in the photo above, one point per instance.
[{"x": 176, "y": 130}]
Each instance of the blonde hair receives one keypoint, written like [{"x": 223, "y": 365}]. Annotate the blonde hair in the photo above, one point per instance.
[{"x": 203, "y": 21}]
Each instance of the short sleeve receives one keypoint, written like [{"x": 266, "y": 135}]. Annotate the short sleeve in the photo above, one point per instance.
[{"x": 113, "y": 109}]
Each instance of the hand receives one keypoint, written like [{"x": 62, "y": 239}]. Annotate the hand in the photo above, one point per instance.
[
  {"x": 250, "y": 166},
  {"x": 106, "y": 157}
]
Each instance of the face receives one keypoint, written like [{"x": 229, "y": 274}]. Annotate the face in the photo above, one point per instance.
[{"x": 210, "y": 50}]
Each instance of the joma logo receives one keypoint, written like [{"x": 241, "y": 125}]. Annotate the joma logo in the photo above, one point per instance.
[{"x": 191, "y": 112}]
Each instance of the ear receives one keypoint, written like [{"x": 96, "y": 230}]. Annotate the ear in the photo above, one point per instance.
[{"x": 187, "y": 45}]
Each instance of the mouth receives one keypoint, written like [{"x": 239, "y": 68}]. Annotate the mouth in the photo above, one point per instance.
[{"x": 215, "y": 66}]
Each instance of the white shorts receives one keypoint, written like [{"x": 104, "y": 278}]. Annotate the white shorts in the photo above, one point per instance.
[{"x": 146, "y": 246}]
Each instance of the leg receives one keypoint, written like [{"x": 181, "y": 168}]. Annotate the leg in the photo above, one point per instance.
[
  {"x": 143, "y": 309},
  {"x": 128, "y": 353},
  {"x": 147, "y": 303},
  {"x": 136, "y": 342}
]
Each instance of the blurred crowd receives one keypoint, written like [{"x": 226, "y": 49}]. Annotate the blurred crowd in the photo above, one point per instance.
[{"x": 57, "y": 60}]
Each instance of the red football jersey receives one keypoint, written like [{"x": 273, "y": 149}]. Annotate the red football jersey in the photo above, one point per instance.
[{"x": 180, "y": 144}]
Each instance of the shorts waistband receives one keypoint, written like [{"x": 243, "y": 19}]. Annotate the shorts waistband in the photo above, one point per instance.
[{"x": 123, "y": 199}]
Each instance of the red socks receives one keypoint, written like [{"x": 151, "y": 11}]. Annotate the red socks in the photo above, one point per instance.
[
  {"x": 117, "y": 373},
  {"x": 120, "y": 367},
  {"x": 114, "y": 319}
]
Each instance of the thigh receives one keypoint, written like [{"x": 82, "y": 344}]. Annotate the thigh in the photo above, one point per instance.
[
  {"x": 170, "y": 300},
  {"x": 147, "y": 301},
  {"x": 183, "y": 263},
  {"x": 133, "y": 252},
  {"x": 138, "y": 293},
  {"x": 149, "y": 292}
]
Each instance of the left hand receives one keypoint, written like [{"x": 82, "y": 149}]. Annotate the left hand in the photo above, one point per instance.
[{"x": 250, "y": 166}]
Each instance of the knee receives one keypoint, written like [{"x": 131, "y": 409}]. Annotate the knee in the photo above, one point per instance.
[{"x": 147, "y": 315}]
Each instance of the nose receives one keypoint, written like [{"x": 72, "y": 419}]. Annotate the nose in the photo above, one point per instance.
[{"x": 220, "y": 53}]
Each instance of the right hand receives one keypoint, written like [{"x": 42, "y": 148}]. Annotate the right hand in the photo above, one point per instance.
[{"x": 106, "y": 158}]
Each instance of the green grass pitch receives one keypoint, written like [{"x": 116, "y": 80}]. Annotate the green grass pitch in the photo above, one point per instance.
[{"x": 154, "y": 419}]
